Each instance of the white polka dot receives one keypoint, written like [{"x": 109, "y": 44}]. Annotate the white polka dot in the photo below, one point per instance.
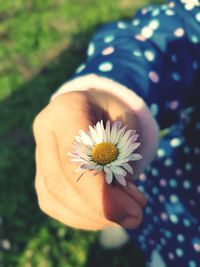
[
  {"x": 147, "y": 32},
  {"x": 163, "y": 182},
  {"x": 179, "y": 172},
  {"x": 197, "y": 16},
  {"x": 105, "y": 66},
  {"x": 155, "y": 190},
  {"x": 80, "y": 68},
  {"x": 196, "y": 247},
  {"x": 161, "y": 198},
  {"x": 180, "y": 238},
  {"x": 107, "y": 51},
  {"x": 188, "y": 166},
  {"x": 108, "y": 38},
  {"x": 173, "y": 218},
  {"x": 194, "y": 39},
  {"x": 168, "y": 234},
  {"x": 136, "y": 22},
  {"x": 174, "y": 58},
  {"x": 186, "y": 150},
  {"x": 154, "y": 24},
  {"x": 91, "y": 50},
  {"x": 171, "y": 4},
  {"x": 148, "y": 210},
  {"x": 141, "y": 188},
  {"x": 164, "y": 7},
  {"x": 187, "y": 184},
  {"x": 175, "y": 76},
  {"x": 168, "y": 162},
  {"x": 142, "y": 177},
  {"x": 140, "y": 37},
  {"x": 173, "y": 183},
  {"x": 156, "y": 219},
  {"x": 154, "y": 172},
  {"x": 121, "y": 25},
  {"x": 186, "y": 222},
  {"x": 150, "y": 56},
  {"x": 198, "y": 189},
  {"x": 154, "y": 77},
  {"x": 144, "y": 10},
  {"x": 137, "y": 53},
  {"x": 195, "y": 65},
  {"x": 171, "y": 256},
  {"x": 192, "y": 264},
  {"x": 179, "y": 252},
  {"x": 190, "y": 4},
  {"x": 155, "y": 12},
  {"x": 179, "y": 32},
  {"x": 161, "y": 153},
  {"x": 174, "y": 104},
  {"x": 154, "y": 109},
  {"x": 173, "y": 198},
  {"x": 169, "y": 12},
  {"x": 163, "y": 241},
  {"x": 164, "y": 216},
  {"x": 175, "y": 142}
]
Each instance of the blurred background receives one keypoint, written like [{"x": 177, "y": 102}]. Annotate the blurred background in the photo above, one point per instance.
[{"x": 42, "y": 42}]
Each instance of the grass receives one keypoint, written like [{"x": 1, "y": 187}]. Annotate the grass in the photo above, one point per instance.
[{"x": 41, "y": 44}]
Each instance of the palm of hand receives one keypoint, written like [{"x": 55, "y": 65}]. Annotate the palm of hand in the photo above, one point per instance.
[{"x": 89, "y": 203}]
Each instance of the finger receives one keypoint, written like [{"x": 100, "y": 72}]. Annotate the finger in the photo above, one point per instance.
[
  {"x": 55, "y": 209},
  {"x": 57, "y": 183},
  {"x": 135, "y": 193}
]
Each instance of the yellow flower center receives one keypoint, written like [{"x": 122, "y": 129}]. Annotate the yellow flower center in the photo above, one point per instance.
[{"x": 104, "y": 153}]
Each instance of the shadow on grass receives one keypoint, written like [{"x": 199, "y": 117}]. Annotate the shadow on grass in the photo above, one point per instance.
[
  {"x": 127, "y": 256},
  {"x": 21, "y": 217}
]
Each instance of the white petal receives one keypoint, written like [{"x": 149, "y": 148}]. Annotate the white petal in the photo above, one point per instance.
[
  {"x": 78, "y": 139},
  {"x": 85, "y": 138},
  {"x": 94, "y": 134},
  {"x": 124, "y": 139},
  {"x": 83, "y": 155},
  {"x": 108, "y": 131},
  {"x": 120, "y": 161},
  {"x": 129, "y": 144},
  {"x": 103, "y": 132},
  {"x": 99, "y": 132},
  {"x": 120, "y": 134},
  {"x": 121, "y": 180},
  {"x": 135, "y": 156},
  {"x": 128, "y": 167},
  {"x": 118, "y": 170},
  {"x": 129, "y": 150},
  {"x": 106, "y": 169},
  {"x": 109, "y": 177},
  {"x": 89, "y": 166},
  {"x": 78, "y": 160},
  {"x": 129, "y": 141},
  {"x": 99, "y": 167},
  {"x": 83, "y": 149},
  {"x": 113, "y": 130}
]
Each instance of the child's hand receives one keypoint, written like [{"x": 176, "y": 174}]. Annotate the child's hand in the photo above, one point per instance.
[{"x": 89, "y": 203}]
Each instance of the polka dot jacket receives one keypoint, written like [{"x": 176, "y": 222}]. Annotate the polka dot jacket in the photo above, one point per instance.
[{"x": 157, "y": 55}]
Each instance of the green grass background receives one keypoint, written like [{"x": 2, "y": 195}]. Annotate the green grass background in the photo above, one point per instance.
[{"x": 41, "y": 43}]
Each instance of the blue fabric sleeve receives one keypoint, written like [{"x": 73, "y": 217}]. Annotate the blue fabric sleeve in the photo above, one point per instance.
[{"x": 156, "y": 54}]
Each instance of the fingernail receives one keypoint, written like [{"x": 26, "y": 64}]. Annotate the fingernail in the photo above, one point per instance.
[{"x": 129, "y": 222}]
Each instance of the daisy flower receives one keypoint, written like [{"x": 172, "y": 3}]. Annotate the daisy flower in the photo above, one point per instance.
[{"x": 106, "y": 149}]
